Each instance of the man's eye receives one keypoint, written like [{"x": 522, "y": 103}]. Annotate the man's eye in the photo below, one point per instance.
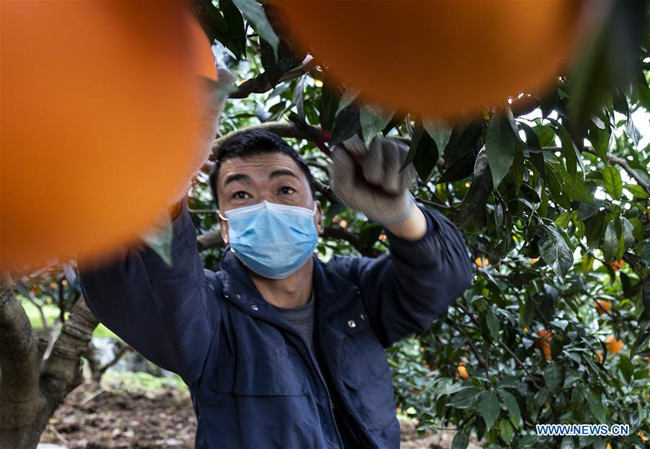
[
  {"x": 287, "y": 190},
  {"x": 241, "y": 195}
]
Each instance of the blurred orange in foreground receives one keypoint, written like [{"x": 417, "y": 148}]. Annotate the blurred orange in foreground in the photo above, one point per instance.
[
  {"x": 99, "y": 104},
  {"x": 440, "y": 58}
]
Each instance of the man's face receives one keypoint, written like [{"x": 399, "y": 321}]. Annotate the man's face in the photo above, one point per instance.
[{"x": 273, "y": 177}]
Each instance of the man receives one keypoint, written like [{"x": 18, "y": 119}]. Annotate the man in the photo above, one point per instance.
[{"x": 279, "y": 349}]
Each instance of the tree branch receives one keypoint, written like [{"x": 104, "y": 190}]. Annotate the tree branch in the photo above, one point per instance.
[
  {"x": 614, "y": 160},
  {"x": 261, "y": 84},
  {"x": 19, "y": 355},
  {"x": 61, "y": 372},
  {"x": 337, "y": 232}
]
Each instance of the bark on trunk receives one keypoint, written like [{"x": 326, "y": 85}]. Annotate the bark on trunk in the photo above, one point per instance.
[{"x": 30, "y": 389}]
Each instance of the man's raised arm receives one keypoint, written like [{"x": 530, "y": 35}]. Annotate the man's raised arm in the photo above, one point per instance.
[
  {"x": 406, "y": 290},
  {"x": 159, "y": 310},
  {"x": 428, "y": 267}
]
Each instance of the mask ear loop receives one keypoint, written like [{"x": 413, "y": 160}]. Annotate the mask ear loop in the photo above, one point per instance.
[{"x": 224, "y": 219}]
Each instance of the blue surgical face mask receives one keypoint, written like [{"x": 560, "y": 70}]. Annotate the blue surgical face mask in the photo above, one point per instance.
[{"x": 273, "y": 240}]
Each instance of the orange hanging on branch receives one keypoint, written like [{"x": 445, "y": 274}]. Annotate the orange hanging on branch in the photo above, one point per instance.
[
  {"x": 613, "y": 344},
  {"x": 440, "y": 58},
  {"x": 99, "y": 123},
  {"x": 543, "y": 342}
]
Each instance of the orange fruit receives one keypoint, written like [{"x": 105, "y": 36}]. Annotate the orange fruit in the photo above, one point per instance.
[
  {"x": 609, "y": 446},
  {"x": 438, "y": 58},
  {"x": 613, "y": 344},
  {"x": 642, "y": 436},
  {"x": 543, "y": 342},
  {"x": 482, "y": 261},
  {"x": 603, "y": 305},
  {"x": 99, "y": 124},
  {"x": 617, "y": 264},
  {"x": 462, "y": 371},
  {"x": 534, "y": 260}
]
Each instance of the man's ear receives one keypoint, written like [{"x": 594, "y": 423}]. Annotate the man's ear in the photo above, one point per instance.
[
  {"x": 318, "y": 218},
  {"x": 223, "y": 228}
]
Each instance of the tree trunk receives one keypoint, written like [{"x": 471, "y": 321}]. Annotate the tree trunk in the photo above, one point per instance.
[{"x": 31, "y": 389}]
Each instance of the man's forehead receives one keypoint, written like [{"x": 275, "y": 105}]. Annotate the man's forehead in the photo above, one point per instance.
[{"x": 258, "y": 165}]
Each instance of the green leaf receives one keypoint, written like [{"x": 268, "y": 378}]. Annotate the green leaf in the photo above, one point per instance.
[
  {"x": 465, "y": 398},
  {"x": 518, "y": 166},
  {"x": 563, "y": 220},
  {"x": 373, "y": 119},
  {"x": 569, "y": 150},
  {"x": 637, "y": 191},
  {"x": 506, "y": 432},
  {"x": 596, "y": 407},
  {"x": 346, "y": 100},
  {"x": 461, "y": 439},
  {"x": 328, "y": 105},
  {"x": 627, "y": 230},
  {"x": 418, "y": 135},
  {"x": 600, "y": 139},
  {"x": 277, "y": 63},
  {"x": 439, "y": 132},
  {"x": 626, "y": 367},
  {"x": 490, "y": 408},
  {"x": 500, "y": 145},
  {"x": 595, "y": 228},
  {"x": 159, "y": 238},
  {"x": 346, "y": 125},
  {"x": 553, "y": 377},
  {"x": 613, "y": 182},
  {"x": 610, "y": 244},
  {"x": 576, "y": 189},
  {"x": 236, "y": 26},
  {"x": 299, "y": 96},
  {"x": 492, "y": 324},
  {"x": 555, "y": 252},
  {"x": 510, "y": 402},
  {"x": 545, "y": 135},
  {"x": 426, "y": 156},
  {"x": 253, "y": 11}
]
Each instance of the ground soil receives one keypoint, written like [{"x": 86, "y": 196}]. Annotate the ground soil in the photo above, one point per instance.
[{"x": 92, "y": 418}]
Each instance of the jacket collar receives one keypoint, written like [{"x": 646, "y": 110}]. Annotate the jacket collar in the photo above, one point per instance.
[{"x": 333, "y": 293}]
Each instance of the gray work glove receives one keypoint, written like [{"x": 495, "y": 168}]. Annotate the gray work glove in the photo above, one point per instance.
[{"x": 381, "y": 163}]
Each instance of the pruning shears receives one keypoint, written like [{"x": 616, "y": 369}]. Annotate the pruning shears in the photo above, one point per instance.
[{"x": 322, "y": 139}]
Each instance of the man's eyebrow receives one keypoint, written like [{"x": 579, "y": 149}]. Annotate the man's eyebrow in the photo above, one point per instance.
[
  {"x": 236, "y": 177},
  {"x": 277, "y": 173}
]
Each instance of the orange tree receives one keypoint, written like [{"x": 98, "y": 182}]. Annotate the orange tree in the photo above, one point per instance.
[{"x": 555, "y": 210}]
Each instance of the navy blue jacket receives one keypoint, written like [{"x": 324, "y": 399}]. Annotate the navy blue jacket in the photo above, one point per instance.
[{"x": 254, "y": 383}]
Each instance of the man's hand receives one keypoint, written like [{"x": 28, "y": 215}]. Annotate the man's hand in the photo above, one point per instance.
[{"x": 380, "y": 165}]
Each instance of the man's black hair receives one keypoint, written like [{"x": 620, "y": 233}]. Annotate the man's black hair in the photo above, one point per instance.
[{"x": 251, "y": 143}]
